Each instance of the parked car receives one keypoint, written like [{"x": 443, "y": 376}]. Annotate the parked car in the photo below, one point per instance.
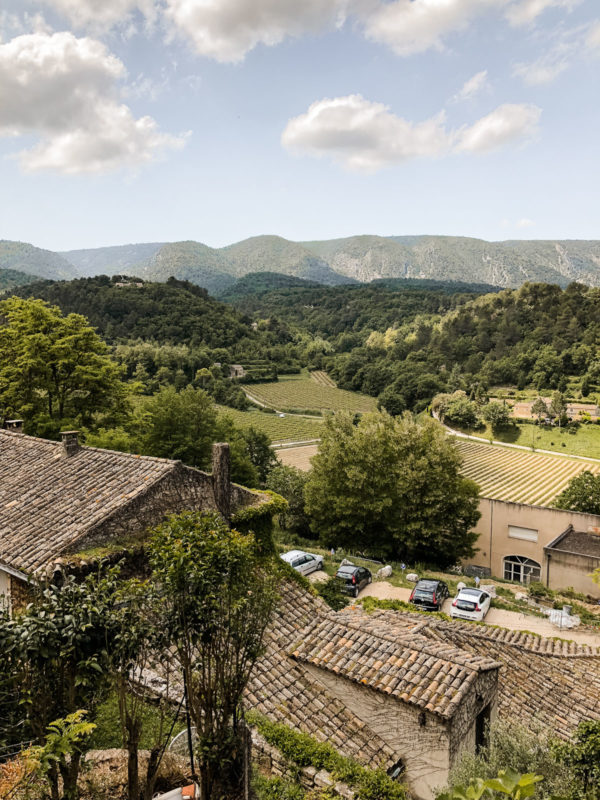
[
  {"x": 429, "y": 595},
  {"x": 302, "y": 562},
  {"x": 471, "y": 604},
  {"x": 352, "y": 578}
]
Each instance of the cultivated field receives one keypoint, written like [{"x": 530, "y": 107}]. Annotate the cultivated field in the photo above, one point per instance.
[
  {"x": 303, "y": 393},
  {"x": 505, "y": 473},
  {"x": 585, "y": 441},
  {"x": 322, "y": 378},
  {"x": 279, "y": 429},
  {"x": 502, "y": 473}
]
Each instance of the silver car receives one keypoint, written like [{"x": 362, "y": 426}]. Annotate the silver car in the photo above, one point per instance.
[{"x": 302, "y": 562}]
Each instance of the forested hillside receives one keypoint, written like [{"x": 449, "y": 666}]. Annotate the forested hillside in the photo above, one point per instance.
[
  {"x": 10, "y": 278},
  {"x": 331, "y": 262},
  {"x": 32, "y": 260},
  {"x": 538, "y": 336},
  {"x": 176, "y": 312}
]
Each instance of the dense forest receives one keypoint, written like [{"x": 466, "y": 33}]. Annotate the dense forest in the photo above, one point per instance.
[{"x": 403, "y": 341}]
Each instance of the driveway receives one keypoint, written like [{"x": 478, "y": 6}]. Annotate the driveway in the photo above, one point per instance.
[{"x": 495, "y": 616}]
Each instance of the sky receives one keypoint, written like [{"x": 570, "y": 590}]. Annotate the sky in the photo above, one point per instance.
[{"x": 215, "y": 120}]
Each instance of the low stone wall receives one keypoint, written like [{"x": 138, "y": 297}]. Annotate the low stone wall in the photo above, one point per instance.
[{"x": 271, "y": 763}]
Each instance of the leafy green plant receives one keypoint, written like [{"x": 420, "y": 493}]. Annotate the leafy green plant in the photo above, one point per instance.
[
  {"x": 508, "y": 784},
  {"x": 304, "y": 751},
  {"x": 331, "y": 592}
]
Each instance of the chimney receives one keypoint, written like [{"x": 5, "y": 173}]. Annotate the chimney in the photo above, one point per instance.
[
  {"x": 70, "y": 443},
  {"x": 14, "y": 425},
  {"x": 221, "y": 480}
]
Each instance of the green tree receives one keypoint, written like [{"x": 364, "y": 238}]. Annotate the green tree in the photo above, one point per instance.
[
  {"x": 582, "y": 494},
  {"x": 582, "y": 758},
  {"x": 558, "y": 406},
  {"x": 178, "y": 425},
  {"x": 392, "y": 485},
  {"x": 539, "y": 409},
  {"x": 258, "y": 445},
  {"x": 54, "y": 368},
  {"x": 58, "y": 651},
  {"x": 289, "y": 482},
  {"x": 497, "y": 414},
  {"x": 218, "y": 596}
]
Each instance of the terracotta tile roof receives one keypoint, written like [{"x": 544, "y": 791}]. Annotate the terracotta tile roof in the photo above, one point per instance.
[
  {"x": 554, "y": 682},
  {"x": 283, "y": 691},
  {"x": 432, "y": 675},
  {"x": 48, "y": 500}
]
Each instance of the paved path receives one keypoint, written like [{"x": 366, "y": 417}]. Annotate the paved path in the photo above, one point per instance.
[{"x": 495, "y": 616}]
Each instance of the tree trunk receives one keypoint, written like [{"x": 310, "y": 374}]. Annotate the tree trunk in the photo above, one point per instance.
[
  {"x": 70, "y": 774},
  {"x": 133, "y": 780},
  {"x": 153, "y": 764}
]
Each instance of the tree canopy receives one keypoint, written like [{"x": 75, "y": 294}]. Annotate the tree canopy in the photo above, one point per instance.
[
  {"x": 53, "y": 368},
  {"x": 582, "y": 494},
  {"x": 392, "y": 486}
]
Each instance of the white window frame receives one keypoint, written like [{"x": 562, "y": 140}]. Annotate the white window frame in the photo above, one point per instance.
[
  {"x": 526, "y": 534},
  {"x": 521, "y": 569}
]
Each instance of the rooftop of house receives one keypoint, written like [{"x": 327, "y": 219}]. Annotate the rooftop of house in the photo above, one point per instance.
[
  {"x": 581, "y": 543},
  {"x": 52, "y": 494},
  {"x": 393, "y": 659},
  {"x": 518, "y": 476},
  {"x": 549, "y": 681}
]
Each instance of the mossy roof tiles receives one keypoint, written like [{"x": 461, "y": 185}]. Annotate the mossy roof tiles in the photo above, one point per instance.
[{"x": 48, "y": 500}]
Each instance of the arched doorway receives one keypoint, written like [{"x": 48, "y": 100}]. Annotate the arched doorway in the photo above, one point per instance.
[{"x": 521, "y": 569}]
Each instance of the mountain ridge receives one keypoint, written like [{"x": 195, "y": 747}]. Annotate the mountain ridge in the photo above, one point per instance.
[{"x": 362, "y": 258}]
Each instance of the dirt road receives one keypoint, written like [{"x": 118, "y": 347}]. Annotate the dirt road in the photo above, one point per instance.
[{"x": 505, "y": 619}]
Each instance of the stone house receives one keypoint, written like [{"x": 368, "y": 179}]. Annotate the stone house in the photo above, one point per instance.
[
  {"x": 571, "y": 555},
  {"x": 61, "y": 498},
  {"x": 379, "y": 691}
]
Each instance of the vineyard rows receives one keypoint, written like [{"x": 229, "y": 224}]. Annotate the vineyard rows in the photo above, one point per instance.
[
  {"x": 279, "y": 429},
  {"x": 505, "y": 473},
  {"x": 322, "y": 378},
  {"x": 305, "y": 394}
]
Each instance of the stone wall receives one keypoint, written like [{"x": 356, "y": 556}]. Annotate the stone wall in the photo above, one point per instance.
[
  {"x": 419, "y": 738},
  {"x": 483, "y": 695},
  {"x": 271, "y": 763},
  {"x": 20, "y": 594},
  {"x": 184, "y": 489}
]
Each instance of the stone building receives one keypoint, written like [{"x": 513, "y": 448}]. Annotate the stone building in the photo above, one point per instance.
[
  {"x": 60, "y": 498},
  {"x": 408, "y": 692},
  {"x": 379, "y": 691}
]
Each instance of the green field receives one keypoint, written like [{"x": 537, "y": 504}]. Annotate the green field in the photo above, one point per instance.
[
  {"x": 303, "y": 393},
  {"x": 280, "y": 429},
  {"x": 584, "y": 441},
  {"x": 505, "y": 473}
]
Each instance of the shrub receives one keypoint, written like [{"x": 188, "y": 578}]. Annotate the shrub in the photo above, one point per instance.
[
  {"x": 332, "y": 594},
  {"x": 538, "y": 590}
]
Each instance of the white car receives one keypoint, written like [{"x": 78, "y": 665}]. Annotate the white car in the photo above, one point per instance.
[
  {"x": 302, "y": 562},
  {"x": 471, "y": 604}
]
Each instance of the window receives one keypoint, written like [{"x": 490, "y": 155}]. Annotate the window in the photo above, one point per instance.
[
  {"x": 482, "y": 725},
  {"x": 527, "y": 534},
  {"x": 521, "y": 569}
]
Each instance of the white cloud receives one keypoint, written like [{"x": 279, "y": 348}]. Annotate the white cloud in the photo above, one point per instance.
[
  {"x": 102, "y": 14},
  {"x": 472, "y": 87},
  {"x": 525, "y": 222},
  {"x": 593, "y": 37},
  {"x": 64, "y": 90},
  {"x": 365, "y": 136},
  {"x": 228, "y": 29},
  {"x": 507, "y": 123},
  {"x": 413, "y": 26},
  {"x": 527, "y": 11}
]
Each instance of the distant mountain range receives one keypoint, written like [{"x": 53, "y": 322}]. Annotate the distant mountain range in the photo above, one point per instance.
[{"x": 331, "y": 262}]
